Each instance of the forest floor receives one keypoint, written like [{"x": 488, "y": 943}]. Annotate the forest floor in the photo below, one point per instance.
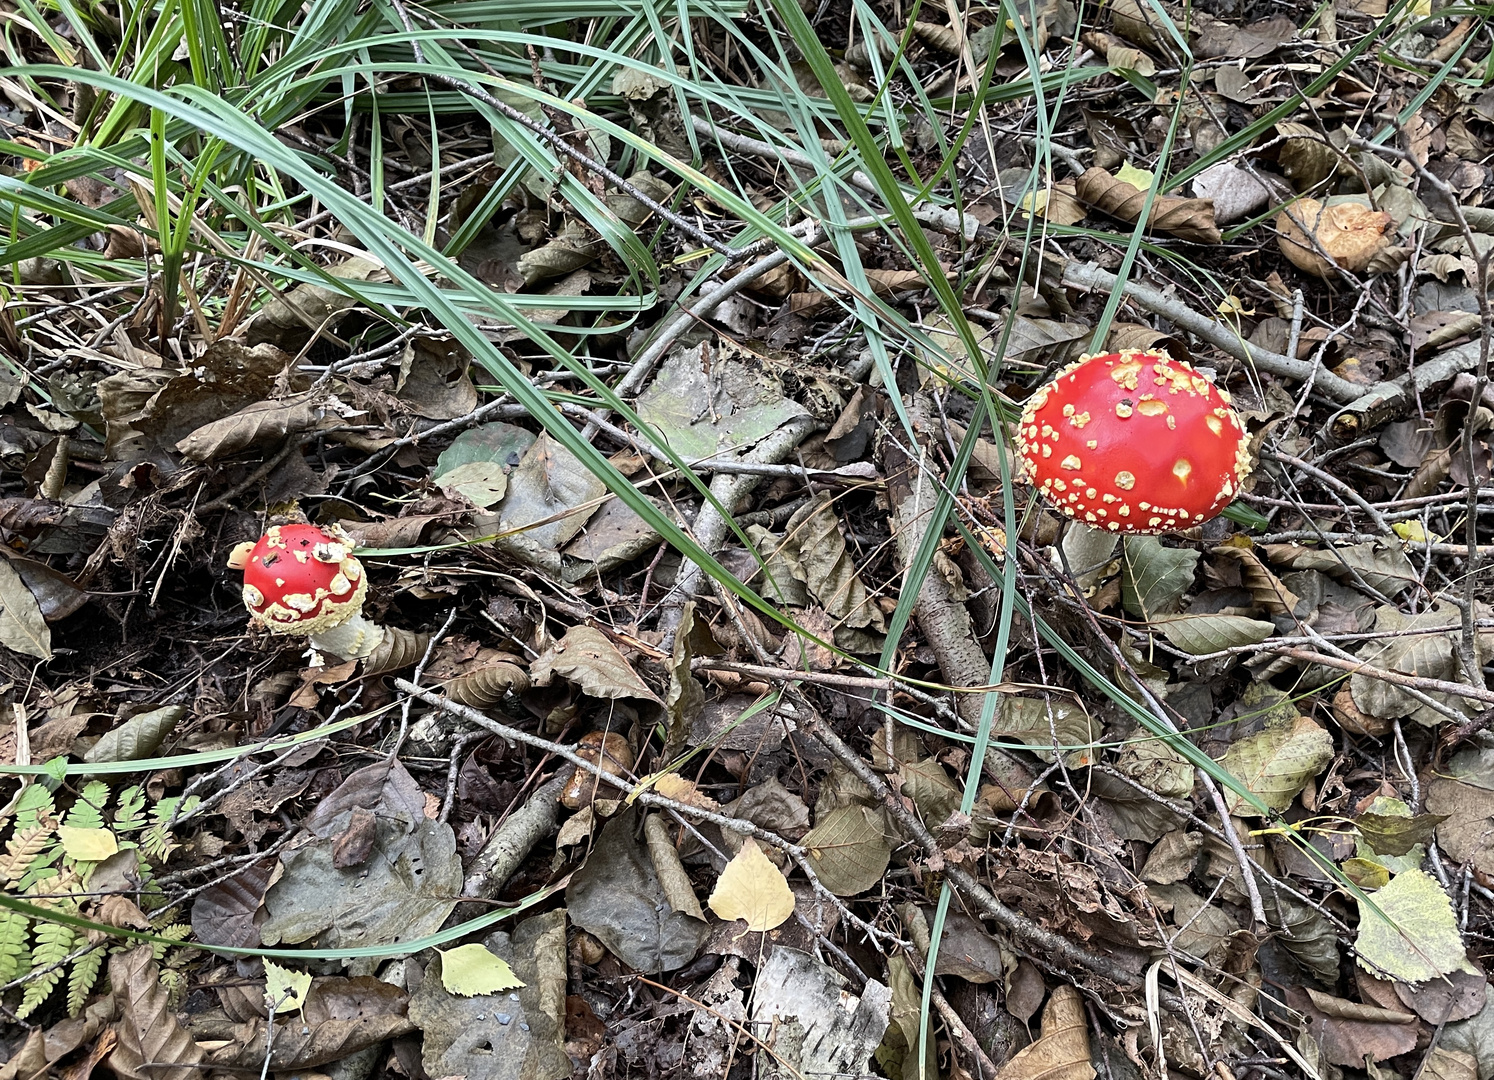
[{"x": 734, "y": 708}]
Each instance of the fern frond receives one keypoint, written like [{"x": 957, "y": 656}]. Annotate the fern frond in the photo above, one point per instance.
[
  {"x": 14, "y": 928},
  {"x": 88, "y": 811},
  {"x": 175, "y": 984},
  {"x": 53, "y": 942},
  {"x": 81, "y": 979},
  {"x": 42, "y": 869},
  {"x": 35, "y": 808},
  {"x": 176, "y": 932},
  {"x": 157, "y": 841},
  {"x": 21, "y": 851},
  {"x": 130, "y": 814}
]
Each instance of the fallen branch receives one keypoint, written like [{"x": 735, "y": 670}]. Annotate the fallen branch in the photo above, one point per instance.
[
  {"x": 1045, "y": 947},
  {"x": 711, "y": 526},
  {"x": 1418, "y": 682},
  {"x": 514, "y": 840},
  {"x": 637, "y": 793},
  {"x": 1091, "y": 278}
]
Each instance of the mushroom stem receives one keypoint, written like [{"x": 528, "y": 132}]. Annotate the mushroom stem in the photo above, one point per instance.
[{"x": 352, "y": 639}]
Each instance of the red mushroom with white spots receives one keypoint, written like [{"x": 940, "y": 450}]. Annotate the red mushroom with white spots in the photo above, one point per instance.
[
  {"x": 1133, "y": 442},
  {"x": 305, "y": 580}
]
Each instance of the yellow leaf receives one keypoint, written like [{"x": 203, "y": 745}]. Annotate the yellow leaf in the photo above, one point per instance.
[
  {"x": 1140, "y": 179},
  {"x": 752, "y": 888},
  {"x": 1408, "y": 931},
  {"x": 1035, "y": 202},
  {"x": 285, "y": 989},
  {"x": 87, "y": 845},
  {"x": 470, "y": 970},
  {"x": 1414, "y": 532}
]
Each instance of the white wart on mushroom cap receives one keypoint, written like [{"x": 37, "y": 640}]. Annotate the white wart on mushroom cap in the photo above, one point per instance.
[{"x": 1133, "y": 442}]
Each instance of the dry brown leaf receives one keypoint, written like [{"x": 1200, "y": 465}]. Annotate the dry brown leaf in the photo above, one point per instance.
[
  {"x": 1347, "y": 1031},
  {"x": 676, "y": 787},
  {"x": 1124, "y": 336},
  {"x": 1187, "y": 219},
  {"x": 1265, "y": 587},
  {"x": 30, "y": 1061},
  {"x": 1434, "y": 329},
  {"x": 148, "y": 1029},
  {"x": 1135, "y": 21},
  {"x": 1063, "y": 208},
  {"x": 263, "y": 424},
  {"x": 940, "y": 37},
  {"x": 1305, "y": 156},
  {"x": 1350, "y": 233},
  {"x": 1062, "y": 1053},
  {"x": 341, "y": 1016}
]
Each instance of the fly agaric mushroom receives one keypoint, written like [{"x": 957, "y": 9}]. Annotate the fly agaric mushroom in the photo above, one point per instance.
[
  {"x": 304, "y": 580},
  {"x": 1133, "y": 442}
]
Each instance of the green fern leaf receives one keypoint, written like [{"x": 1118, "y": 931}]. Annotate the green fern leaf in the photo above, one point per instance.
[
  {"x": 14, "y": 928},
  {"x": 53, "y": 941},
  {"x": 81, "y": 979},
  {"x": 88, "y": 811},
  {"x": 34, "y": 808},
  {"x": 41, "y": 869},
  {"x": 130, "y": 815},
  {"x": 176, "y": 932}
]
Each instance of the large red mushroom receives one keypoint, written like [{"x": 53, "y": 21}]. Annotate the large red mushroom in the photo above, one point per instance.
[
  {"x": 1133, "y": 442},
  {"x": 304, "y": 580}
]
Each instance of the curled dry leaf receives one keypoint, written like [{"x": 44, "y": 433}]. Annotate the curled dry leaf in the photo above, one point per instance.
[
  {"x": 1062, "y": 1053},
  {"x": 607, "y": 749},
  {"x": 1349, "y": 233},
  {"x": 1187, "y": 219}
]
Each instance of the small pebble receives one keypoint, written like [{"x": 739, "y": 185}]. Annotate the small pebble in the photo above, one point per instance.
[
  {"x": 523, "y": 1026},
  {"x": 502, "y": 1018}
]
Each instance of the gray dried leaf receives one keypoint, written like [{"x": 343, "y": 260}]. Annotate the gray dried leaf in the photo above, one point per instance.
[
  {"x": 403, "y": 891},
  {"x": 705, "y": 402},
  {"x": 1201, "y": 634},
  {"x": 263, "y": 424},
  {"x": 518, "y": 1035},
  {"x": 573, "y": 247},
  {"x": 22, "y": 626},
  {"x": 1153, "y": 577},
  {"x": 617, "y": 898},
  {"x": 587, "y": 657},
  {"x": 1432, "y": 656},
  {"x": 1039, "y": 723},
  {"x": 550, "y": 495},
  {"x": 848, "y": 848}
]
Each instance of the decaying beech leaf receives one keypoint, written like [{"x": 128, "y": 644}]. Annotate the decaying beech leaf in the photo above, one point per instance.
[
  {"x": 151, "y": 1041},
  {"x": 1062, "y": 1053},
  {"x": 262, "y": 424},
  {"x": 1187, "y": 219},
  {"x": 1350, "y": 233}
]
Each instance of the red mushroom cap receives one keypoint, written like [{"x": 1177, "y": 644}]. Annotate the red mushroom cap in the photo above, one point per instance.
[
  {"x": 1133, "y": 442},
  {"x": 300, "y": 579}
]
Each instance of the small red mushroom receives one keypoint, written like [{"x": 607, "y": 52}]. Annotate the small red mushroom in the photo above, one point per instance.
[
  {"x": 1133, "y": 442},
  {"x": 304, "y": 580}
]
